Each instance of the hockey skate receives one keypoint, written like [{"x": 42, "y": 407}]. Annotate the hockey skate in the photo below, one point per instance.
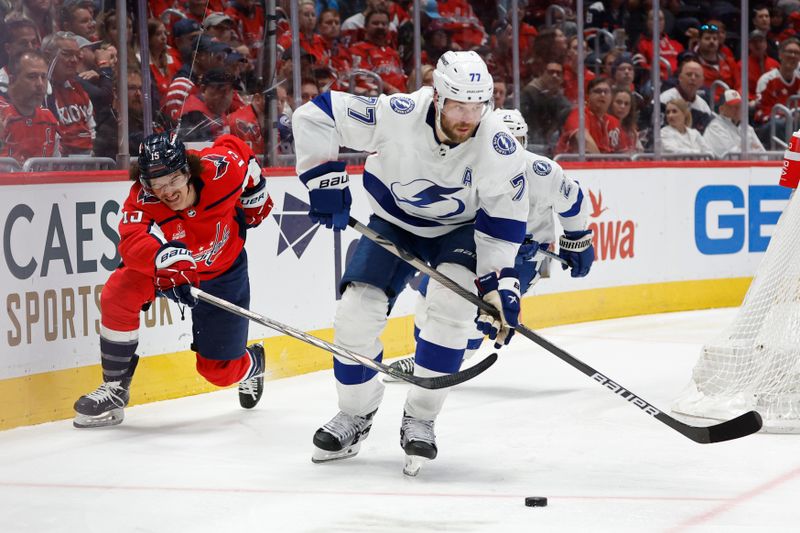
[
  {"x": 418, "y": 441},
  {"x": 405, "y": 365},
  {"x": 251, "y": 389},
  {"x": 105, "y": 406},
  {"x": 341, "y": 437}
]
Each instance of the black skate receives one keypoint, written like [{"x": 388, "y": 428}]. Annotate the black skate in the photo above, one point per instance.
[
  {"x": 341, "y": 437},
  {"x": 105, "y": 406},
  {"x": 251, "y": 389},
  {"x": 418, "y": 441},
  {"x": 405, "y": 365}
]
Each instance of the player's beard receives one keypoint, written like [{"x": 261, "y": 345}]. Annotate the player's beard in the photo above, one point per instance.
[{"x": 457, "y": 132}]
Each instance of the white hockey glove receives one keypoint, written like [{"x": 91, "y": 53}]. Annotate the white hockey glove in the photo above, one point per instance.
[{"x": 503, "y": 294}]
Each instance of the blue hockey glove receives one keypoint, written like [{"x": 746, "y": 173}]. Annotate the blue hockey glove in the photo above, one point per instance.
[
  {"x": 329, "y": 193},
  {"x": 330, "y": 207},
  {"x": 176, "y": 273},
  {"x": 527, "y": 250},
  {"x": 503, "y": 294},
  {"x": 576, "y": 247}
]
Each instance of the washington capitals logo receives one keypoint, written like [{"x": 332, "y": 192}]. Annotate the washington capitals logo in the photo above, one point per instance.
[
  {"x": 425, "y": 195},
  {"x": 246, "y": 128},
  {"x": 220, "y": 164}
]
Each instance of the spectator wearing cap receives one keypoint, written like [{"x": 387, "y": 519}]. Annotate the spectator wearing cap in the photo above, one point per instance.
[
  {"x": 203, "y": 54},
  {"x": 26, "y": 128},
  {"x": 163, "y": 65},
  {"x": 715, "y": 65},
  {"x": 311, "y": 42},
  {"x": 246, "y": 122},
  {"x": 219, "y": 26},
  {"x": 184, "y": 32},
  {"x": 249, "y": 22},
  {"x": 724, "y": 134},
  {"x": 96, "y": 72},
  {"x": 198, "y": 10},
  {"x": 668, "y": 48},
  {"x": 40, "y": 12},
  {"x": 78, "y": 17},
  {"x": 354, "y": 27},
  {"x": 544, "y": 107},
  {"x": 758, "y": 62},
  {"x": 465, "y": 28},
  {"x": 622, "y": 73},
  {"x": 724, "y": 49},
  {"x": 204, "y": 116},
  {"x": 375, "y": 54},
  {"x": 678, "y": 136},
  {"x": 691, "y": 78},
  {"x": 69, "y": 102},
  {"x": 777, "y": 85},
  {"x": 20, "y": 36}
]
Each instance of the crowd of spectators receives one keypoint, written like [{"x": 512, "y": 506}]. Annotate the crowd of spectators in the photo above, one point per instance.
[
  {"x": 699, "y": 69},
  {"x": 60, "y": 64}
]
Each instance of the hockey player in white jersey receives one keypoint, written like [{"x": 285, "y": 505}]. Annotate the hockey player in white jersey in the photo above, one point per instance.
[
  {"x": 550, "y": 192},
  {"x": 446, "y": 181}
]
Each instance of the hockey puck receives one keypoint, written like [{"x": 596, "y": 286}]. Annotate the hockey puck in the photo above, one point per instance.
[{"x": 535, "y": 501}]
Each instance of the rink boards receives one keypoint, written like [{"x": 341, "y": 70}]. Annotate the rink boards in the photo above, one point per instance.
[{"x": 668, "y": 237}]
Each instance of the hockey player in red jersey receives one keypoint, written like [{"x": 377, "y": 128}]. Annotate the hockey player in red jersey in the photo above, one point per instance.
[{"x": 183, "y": 224}]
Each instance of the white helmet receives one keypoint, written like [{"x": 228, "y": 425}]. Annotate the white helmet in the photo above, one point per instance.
[
  {"x": 513, "y": 119},
  {"x": 462, "y": 76}
]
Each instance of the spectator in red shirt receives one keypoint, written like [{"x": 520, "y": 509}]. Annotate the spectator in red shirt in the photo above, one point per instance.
[
  {"x": 715, "y": 65},
  {"x": 26, "y": 128},
  {"x": 571, "y": 72},
  {"x": 249, "y": 22},
  {"x": 311, "y": 42},
  {"x": 602, "y": 130},
  {"x": 464, "y": 26},
  {"x": 69, "y": 102},
  {"x": 669, "y": 48},
  {"x": 758, "y": 62},
  {"x": 205, "y": 113},
  {"x": 777, "y": 85},
  {"x": 354, "y": 27},
  {"x": 374, "y": 53},
  {"x": 624, "y": 107},
  {"x": 339, "y": 59},
  {"x": 163, "y": 64},
  {"x": 246, "y": 121}
]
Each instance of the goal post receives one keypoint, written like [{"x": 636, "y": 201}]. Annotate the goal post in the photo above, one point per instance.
[{"x": 755, "y": 363}]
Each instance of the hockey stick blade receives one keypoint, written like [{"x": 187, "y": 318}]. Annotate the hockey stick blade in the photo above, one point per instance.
[
  {"x": 437, "y": 382},
  {"x": 738, "y": 427}
]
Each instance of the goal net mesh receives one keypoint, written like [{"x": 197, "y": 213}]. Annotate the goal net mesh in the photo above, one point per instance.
[{"x": 755, "y": 362}]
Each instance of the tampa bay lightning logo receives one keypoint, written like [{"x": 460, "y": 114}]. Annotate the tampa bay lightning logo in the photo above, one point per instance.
[
  {"x": 542, "y": 168},
  {"x": 401, "y": 104},
  {"x": 504, "y": 144},
  {"x": 425, "y": 195}
]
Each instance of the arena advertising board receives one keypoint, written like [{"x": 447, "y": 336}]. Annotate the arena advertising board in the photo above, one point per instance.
[{"x": 59, "y": 246}]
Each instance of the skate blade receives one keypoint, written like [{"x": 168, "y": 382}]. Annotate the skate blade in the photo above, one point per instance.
[
  {"x": 325, "y": 456},
  {"x": 413, "y": 464},
  {"x": 113, "y": 417}
]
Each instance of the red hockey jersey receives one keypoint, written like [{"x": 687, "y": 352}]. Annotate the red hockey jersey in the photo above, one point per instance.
[
  {"x": 213, "y": 229},
  {"x": 23, "y": 137}
]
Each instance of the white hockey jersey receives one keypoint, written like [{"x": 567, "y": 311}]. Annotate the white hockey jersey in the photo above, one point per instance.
[
  {"x": 552, "y": 191},
  {"x": 412, "y": 180}
]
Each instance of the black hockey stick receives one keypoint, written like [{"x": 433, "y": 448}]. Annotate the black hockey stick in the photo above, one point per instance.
[
  {"x": 741, "y": 426},
  {"x": 438, "y": 382}
]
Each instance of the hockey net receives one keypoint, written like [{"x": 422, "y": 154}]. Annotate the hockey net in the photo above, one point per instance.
[{"x": 755, "y": 362}]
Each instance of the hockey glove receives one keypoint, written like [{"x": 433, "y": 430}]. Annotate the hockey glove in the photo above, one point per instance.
[
  {"x": 503, "y": 295},
  {"x": 176, "y": 273},
  {"x": 329, "y": 194},
  {"x": 256, "y": 203},
  {"x": 577, "y": 249}
]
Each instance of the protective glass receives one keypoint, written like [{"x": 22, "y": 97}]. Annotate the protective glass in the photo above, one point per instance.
[{"x": 465, "y": 111}]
